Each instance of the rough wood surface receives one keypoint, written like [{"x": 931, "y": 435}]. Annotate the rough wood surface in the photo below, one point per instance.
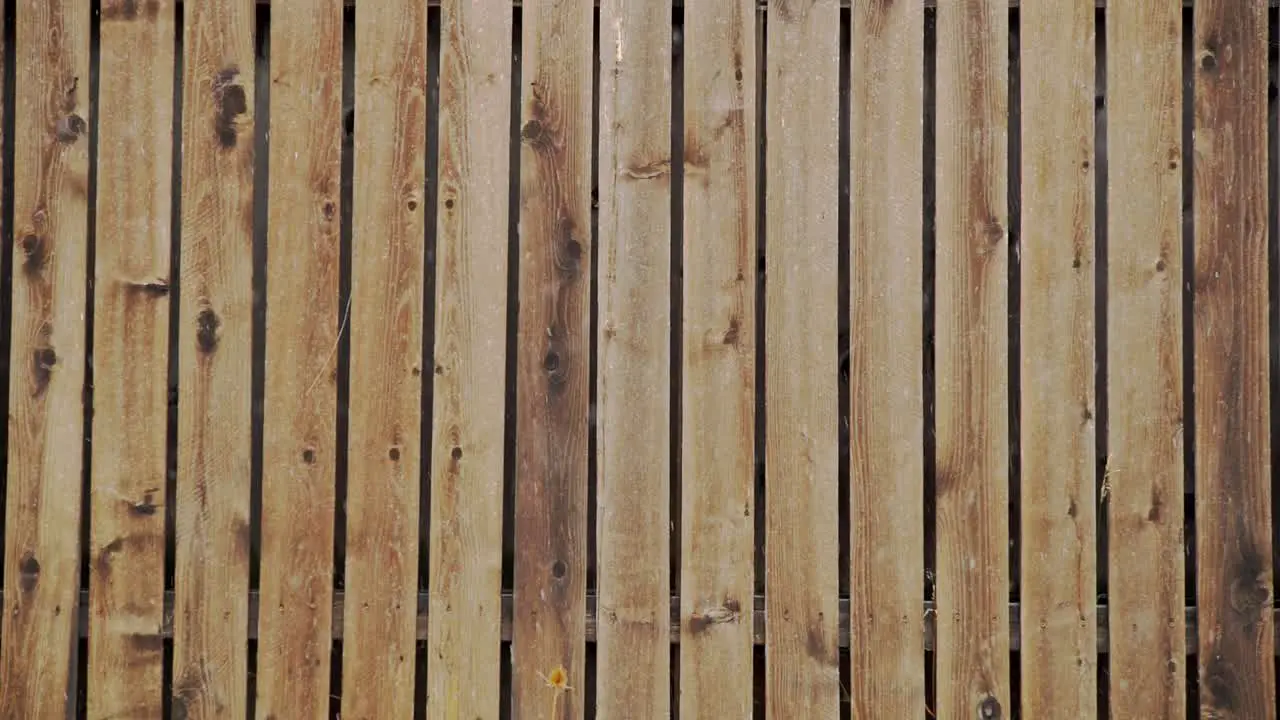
[
  {"x": 801, "y": 324},
  {"x": 633, "y": 379},
  {"x": 886, "y": 371},
  {"x": 47, "y": 358},
  {"x": 553, "y": 364},
  {"x": 210, "y": 670},
  {"x": 972, "y": 360},
  {"x": 303, "y": 320},
  {"x": 130, "y": 360},
  {"x": 717, "y": 442},
  {"x": 1145, "y": 442},
  {"x": 1234, "y": 584},
  {"x": 1058, "y": 499},
  {"x": 387, "y": 259},
  {"x": 470, "y": 356}
]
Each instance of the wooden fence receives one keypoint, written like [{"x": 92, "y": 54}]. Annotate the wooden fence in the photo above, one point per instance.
[{"x": 639, "y": 358}]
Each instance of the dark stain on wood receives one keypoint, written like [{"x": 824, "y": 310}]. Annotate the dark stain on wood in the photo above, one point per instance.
[
  {"x": 69, "y": 128},
  {"x": 729, "y": 612},
  {"x": 43, "y": 360},
  {"x": 151, "y": 288},
  {"x": 1156, "y": 512},
  {"x": 130, "y": 9},
  {"x": 230, "y": 102},
  {"x": 208, "y": 326},
  {"x": 568, "y": 251},
  {"x": 1248, "y": 590},
  {"x": 35, "y": 248},
  {"x": 1220, "y": 682},
  {"x": 28, "y": 572},
  {"x": 146, "y": 507},
  {"x": 731, "y": 335},
  {"x": 71, "y": 98},
  {"x": 103, "y": 562},
  {"x": 152, "y": 642},
  {"x": 309, "y": 456},
  {"x": 989, "y": 709}
]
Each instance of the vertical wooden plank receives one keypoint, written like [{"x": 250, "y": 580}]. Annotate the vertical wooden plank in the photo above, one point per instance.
[
  {"x": 886, "y": 375},
  {"x": 801, "y": 328},
  {"x": 46, "y": 373},
  {"x": 387, "y": 259},
  {"x": 1145, "y": 599},
  {"x": 211, "y": 613},
  {"x": 1234, "y": 583},
  {"x": 464, "y": 633},
  {"x": 300, "y": 403},
  {"x": 718, "y": 360},
  {"x": 553, "y": 369},
  {"x": 1058, "y": 500},
  {"x": 131, "y": 357},
  {"x": 633, "y": 382},
  {"x": 972, "y": 361}
]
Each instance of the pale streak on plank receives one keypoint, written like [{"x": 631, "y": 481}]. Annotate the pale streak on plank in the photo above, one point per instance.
[
  {"x": 387, "y": 260},
  {"x": 718, "y": 361},
  {"x": 210, "y": 667},
  {"x": 470, "y": 355},
  {"x": 801, "y": 327},
  {"x": 303, "y": 317},
  {"x": 886, "y": 376},
  {"x": 1059, "y": 498},
  {"x": 46, "y": 375},
  {"x": 1145, "y": 436},
  {"x": 633, "y": 378},
  {"x": 553, "y": 363},
  {"x": 1234, "y": 583},
  {"x": 130, "y": 359},
  {"x": 972, "y": 360}
]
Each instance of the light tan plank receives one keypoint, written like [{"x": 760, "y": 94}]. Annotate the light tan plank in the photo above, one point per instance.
[
  {"x": 553, "y": 368},
  {"x": 387, "y": 257},
  {"x": 130, "y": 360},
  {"x": 1058, "y": 500},
  {"x": 1234, "y": 583},
  {"x": 972, "y": 361},
  {"x": 886, "y": 376},
  {"x": 303, "y": 320},
  {"x": 633, "y": 378},
  {"x": 47, "y": 357},
  {"x": 465, "y": 631},
  {"x": 801, "y": 328},
  {"x": 718, "y": 361},
  {"x": 1143, "y": 502},
  {"x": 214, "y": 362}
]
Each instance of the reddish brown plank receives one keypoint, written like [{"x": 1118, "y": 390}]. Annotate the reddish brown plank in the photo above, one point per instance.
[
  {"x": 886, "y": 374},
  {"x": 718, "y": 361},
  {"x": 130, "y": 360},
  {"x": 971, "y": 326},
  {"x": 1234, "y": 583},
  {"x": 47, "y": 357},
  {"x": 1144, "y": 485}
]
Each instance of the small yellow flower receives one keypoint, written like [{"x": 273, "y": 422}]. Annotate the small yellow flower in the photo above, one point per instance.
[{"x": 558, "y": 681}]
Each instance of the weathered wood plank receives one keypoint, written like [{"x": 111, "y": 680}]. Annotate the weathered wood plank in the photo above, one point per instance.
[
  {"x": 1144, "y": 366},
  {"x": 470, "y": 356},
  {"x": 1058, "y": 499},
  {"x": 553, "y": 367},
  {"x": 387, "y": 260},
  {"x": 886, "y": 372},
  {"x": 47, "y": 351},
  {"x": 801, "y": 328},
  {"x": 762, "y": 3},
  {"x": 303, "y": 320},
  {"x": 633, "y": 379},
  {"x": 718, "y": 360},
  {"x": 972, "y": 360},
  {"x": 130, "y": 359},
  {"x": 1234, "y": 583},
  {"x": 214, "y": 362}
]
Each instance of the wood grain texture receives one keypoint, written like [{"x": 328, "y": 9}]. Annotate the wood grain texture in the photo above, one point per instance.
[
  {"x": 972, "y": 346},
  {"x": 1059, "y": 498},
  {"x": 886, "y": 372},
  {"x": 465, "y": 631},
  {"x": 303, "y": 320},
  {"x": 214, "y": 362},
  {"x": 387, "y": 259},
  {"x": 801, "y": 373},
  {"x": 1234, "y": 584},
  {"x": 633, "y": 377},
  {"x": 47, "y": 354},
  {"x": 1147, "y": 661},
  {"x": 131, "y": 360},
  {"x": 553, "y": 363},
  {"x": 718, "y": 361}
]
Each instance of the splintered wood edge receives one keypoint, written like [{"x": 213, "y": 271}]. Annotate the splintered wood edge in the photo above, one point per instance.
[{"x": 927, "y": 609}]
